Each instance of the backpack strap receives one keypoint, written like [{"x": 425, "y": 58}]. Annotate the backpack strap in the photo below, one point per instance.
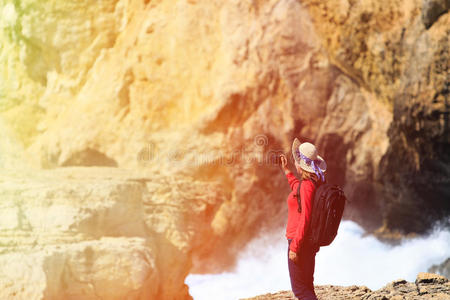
[{"x": 299, "y": 199}]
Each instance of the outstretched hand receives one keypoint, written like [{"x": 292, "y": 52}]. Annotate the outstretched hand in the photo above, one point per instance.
[{"x": 283, "y": 161}]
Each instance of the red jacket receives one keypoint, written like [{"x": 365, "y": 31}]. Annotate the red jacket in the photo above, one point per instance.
[{"x": 298, "y": 222}]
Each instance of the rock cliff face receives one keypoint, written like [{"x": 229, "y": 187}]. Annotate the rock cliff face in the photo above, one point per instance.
[
  {"x": 199, "y": 97},
  {"x": 399, "y": 51},
  {"x": 426, "y": 286}
]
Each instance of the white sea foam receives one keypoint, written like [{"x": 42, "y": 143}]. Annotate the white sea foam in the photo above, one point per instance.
[{"x": 352, "y": 259}]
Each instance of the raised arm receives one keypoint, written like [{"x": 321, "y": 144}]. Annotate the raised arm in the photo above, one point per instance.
[{"x": 292, "y": 180}]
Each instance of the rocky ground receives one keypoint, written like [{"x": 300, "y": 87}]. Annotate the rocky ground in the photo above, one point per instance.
[{"x": 426, "y": 286}]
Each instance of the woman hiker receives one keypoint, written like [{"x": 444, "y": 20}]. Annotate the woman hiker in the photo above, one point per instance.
[{"x": 301, "y": 254}]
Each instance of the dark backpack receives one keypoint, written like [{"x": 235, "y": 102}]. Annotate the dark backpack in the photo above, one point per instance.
[{"x": 326, "y": 213}]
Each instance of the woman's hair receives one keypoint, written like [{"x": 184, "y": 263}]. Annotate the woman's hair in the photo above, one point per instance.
[{"x": 309, "y": 176}]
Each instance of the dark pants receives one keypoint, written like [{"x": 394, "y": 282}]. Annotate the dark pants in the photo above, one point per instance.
[{"x": 301, "y": 273}]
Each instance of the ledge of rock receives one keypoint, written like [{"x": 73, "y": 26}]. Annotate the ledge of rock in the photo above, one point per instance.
[
  {"x": 99, "y": 233},
  {"x": 426, "y": 286}
]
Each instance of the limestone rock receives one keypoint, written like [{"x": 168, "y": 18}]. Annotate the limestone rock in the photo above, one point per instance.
[
  {"x": 108, "y": 268},
  {"x": 87, "y": 232}
]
